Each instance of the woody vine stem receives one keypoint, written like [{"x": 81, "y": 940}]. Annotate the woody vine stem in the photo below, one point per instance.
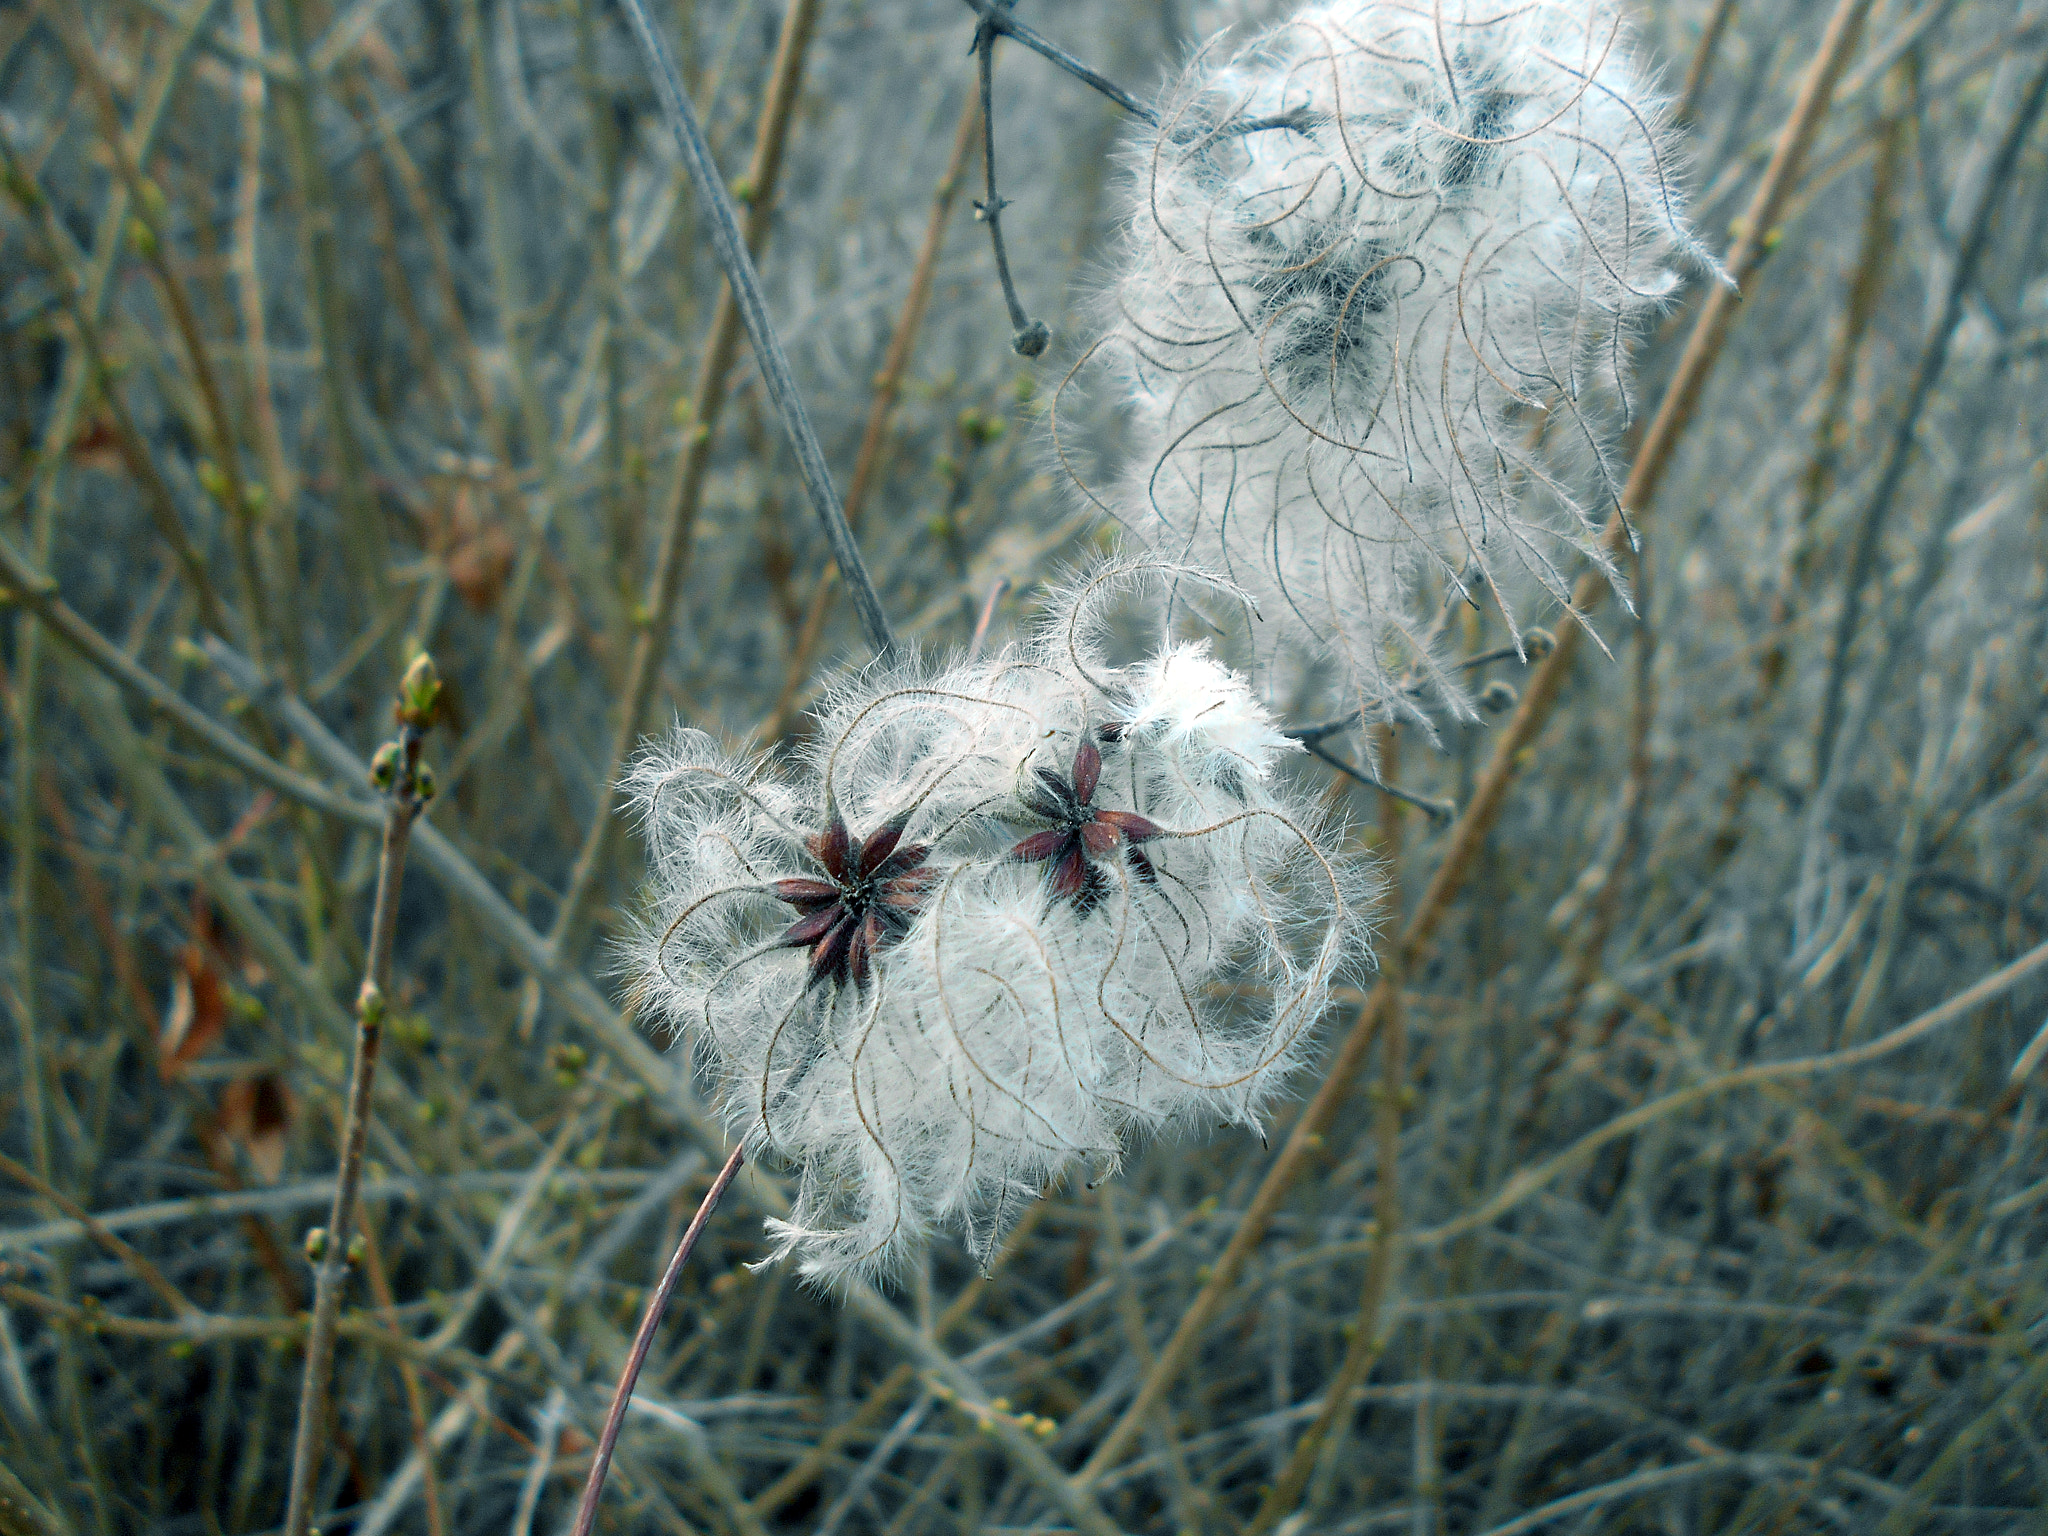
[{"x": 643, "y": 1340}]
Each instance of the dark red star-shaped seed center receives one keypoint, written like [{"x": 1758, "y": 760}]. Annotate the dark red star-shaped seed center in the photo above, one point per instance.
[
  {"x": 866, "y": 901},
  {"x": 1080, "y": 833}
]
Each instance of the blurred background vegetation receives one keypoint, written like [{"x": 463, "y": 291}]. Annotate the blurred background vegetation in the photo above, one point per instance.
[{"x": 335, "y": 329}]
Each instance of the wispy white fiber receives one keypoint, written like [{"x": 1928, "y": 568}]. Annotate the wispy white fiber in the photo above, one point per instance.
[
  {"x": 1373, "y": 302},
  {"x": 1117, "y": 916}
]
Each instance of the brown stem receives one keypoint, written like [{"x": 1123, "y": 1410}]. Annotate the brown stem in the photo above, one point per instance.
[
  {"x": 988, "y": 613},
  {"x": 1368, "y": 1341},
  {"x": 1702, "y": 66},
  {"x": 157, "y": 1281},
  {"x": 247, "y": 270},
  {"x": 1831, "y": 435},
  {"x": 426, "y": 222},
  {"x": 771, "y": 363},
  {"x": 408, "y": 1375},
  {"x": 814, "y": 1462},
  {"x": 1646, "y": 474},
  {"x": 1613, "y": 874},
  {"x": 600, "y": 1463},
  {"x": 162, "y": 506}
]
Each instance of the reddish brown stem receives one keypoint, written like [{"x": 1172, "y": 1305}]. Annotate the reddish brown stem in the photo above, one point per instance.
[{"x": 657, "y": 1304}]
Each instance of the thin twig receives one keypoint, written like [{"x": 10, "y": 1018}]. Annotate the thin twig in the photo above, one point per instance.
[
  {"x": 1604, "y": 882},
  {"x": 988, "y": 613},
  {"x": 1028, "y": 337},
  {"x": 1702, "y": 67},
  {"x": 650, "y": 1320},
  {"x": 776, "y": 378},
  {"x": 814, "y": 1461},
  {"x": 1438, "y": 811},
  {"x": 1933, "y": 358},
  {"x": 154, "y": 243},
  {"x": 1830, "y": 437},
  {"x": 1828, "y": 770},
  {"x": 407, "y": 786},
  {"x": 93, "y": 351},
  {"x": 408, "y": 1372},
  {"x": 148, "y": 1273},
  {"x": 493, "y": 913},
  {"x": 1535, "y": 645},
  {"x": 318, "y": 224},
  {"x": 995, "y": 15}
]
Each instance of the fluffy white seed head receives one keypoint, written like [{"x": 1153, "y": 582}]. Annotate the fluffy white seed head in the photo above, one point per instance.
[
  {"x": 1372, "y": 304},
  {"x": 1115, "y": 916}
]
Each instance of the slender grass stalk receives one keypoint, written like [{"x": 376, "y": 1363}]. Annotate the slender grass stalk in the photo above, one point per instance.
[
  {"x": 988, "y": 613},
  {"x": 1533, "y": 1178},
  {"x": 151, "y": 1276},
  {"x": 61, "y": 257},
  {"x": 1837, "y": 725},
  {"x": 620, "y": 487},
  {"x": 1186, "y": 1503},
  {"x": 815, "y": 1461},
  {"x": 1613, "y": 872},
  {"x": 510, "y": 675},
  {"x": 1831, "y": 436},
  {"x": 643, "y": 1340},
  {"x": 427, "y": 224},
  {"x": 1674, "y": 414},
  {"x": 407, "y": 787}
]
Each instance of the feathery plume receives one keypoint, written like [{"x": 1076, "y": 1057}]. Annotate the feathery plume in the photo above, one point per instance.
[
  {"x": 999, "y": 916},
  {"x": 1368, "y": 262}
]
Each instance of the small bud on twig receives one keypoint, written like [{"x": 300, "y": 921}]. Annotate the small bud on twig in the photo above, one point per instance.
[
  {"x": 1498, "y": 697},
  {"x": 419, "y": 694}
]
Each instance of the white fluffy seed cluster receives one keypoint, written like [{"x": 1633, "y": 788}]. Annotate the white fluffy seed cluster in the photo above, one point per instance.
[
  {"x": 1372, "y": 304},
  {"x": 1071, "y": 901}
]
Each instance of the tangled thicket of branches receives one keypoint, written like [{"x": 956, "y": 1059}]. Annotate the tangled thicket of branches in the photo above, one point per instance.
[{"x": 1680, "y": 1168}]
